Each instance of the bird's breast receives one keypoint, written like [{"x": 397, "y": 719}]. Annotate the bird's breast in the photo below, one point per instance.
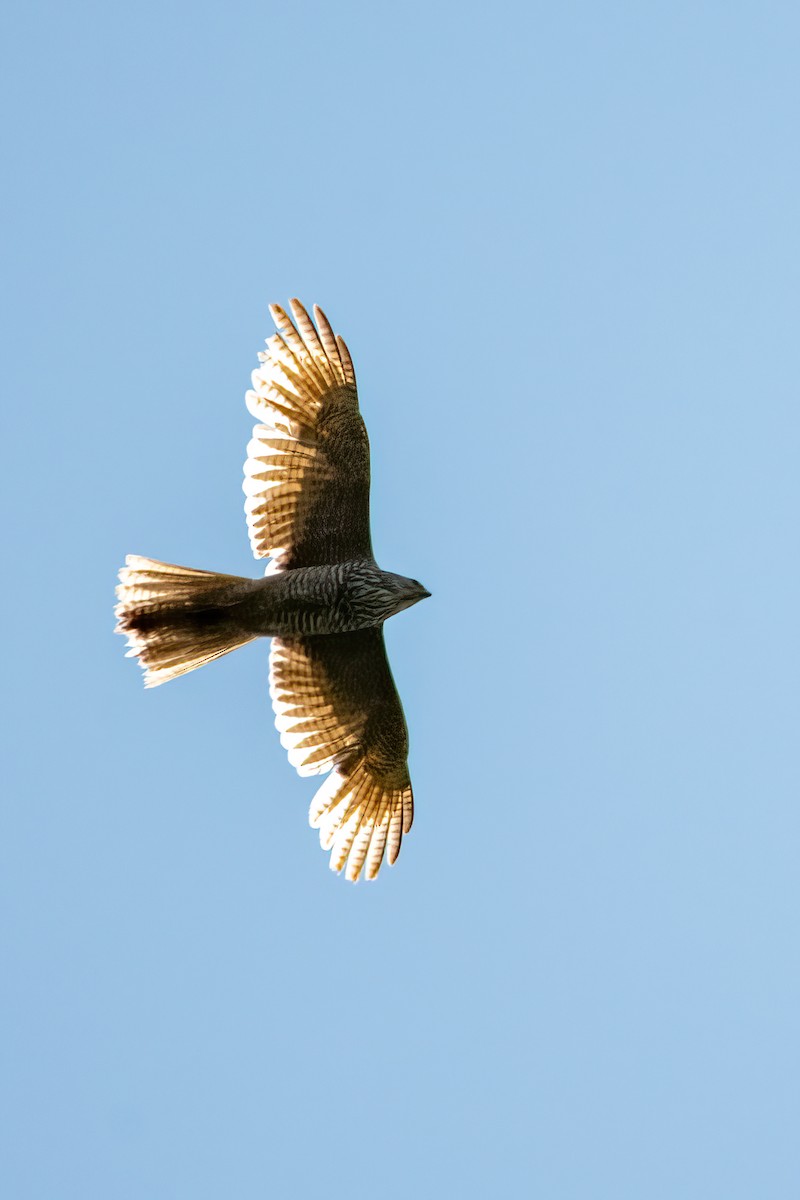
[{"x": 304, "y": 601}]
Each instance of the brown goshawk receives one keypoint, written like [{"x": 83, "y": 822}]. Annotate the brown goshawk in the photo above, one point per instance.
[{"x": 323, "y": 599}]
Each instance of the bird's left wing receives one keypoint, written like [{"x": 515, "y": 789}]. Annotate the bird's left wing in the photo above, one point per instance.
[
  {"x": 337, "y": 709},
  {"x": 307, "y": 470}
]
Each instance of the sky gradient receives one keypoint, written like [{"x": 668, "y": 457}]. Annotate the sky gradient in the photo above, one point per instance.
[{"x": 562, "y": 244}]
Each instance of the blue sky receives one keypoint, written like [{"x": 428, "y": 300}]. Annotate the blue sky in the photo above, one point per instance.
[{"x": 562, "y": 244}]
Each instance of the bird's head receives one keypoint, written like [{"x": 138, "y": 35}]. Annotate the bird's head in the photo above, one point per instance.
[
  {"x": 383, "y": 593},
  {"x": 406, "y": 592}
]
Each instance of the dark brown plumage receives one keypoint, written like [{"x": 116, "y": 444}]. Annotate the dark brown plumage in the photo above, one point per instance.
[{"x": 323, "y": 599}]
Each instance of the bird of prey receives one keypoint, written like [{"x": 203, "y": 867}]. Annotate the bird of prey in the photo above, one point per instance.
[{"x": 323, "y": 598}]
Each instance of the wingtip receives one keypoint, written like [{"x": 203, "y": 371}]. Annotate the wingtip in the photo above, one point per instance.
[{"x": 298, "y": 308}]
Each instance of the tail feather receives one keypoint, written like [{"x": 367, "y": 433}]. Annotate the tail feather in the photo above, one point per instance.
[{"x": 176, "y": 618}]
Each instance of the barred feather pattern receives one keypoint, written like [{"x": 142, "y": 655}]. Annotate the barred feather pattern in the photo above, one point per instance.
[
  {"x": 363, "y": 808},
  {"x": 175, "y": 618},
  {"x": 286, "y": 466}
]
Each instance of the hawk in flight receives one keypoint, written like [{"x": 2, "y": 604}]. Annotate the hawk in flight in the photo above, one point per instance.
[{"x": 323, "y": 599}]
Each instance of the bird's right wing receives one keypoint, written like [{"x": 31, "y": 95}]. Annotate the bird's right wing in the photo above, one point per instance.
[
  {"x": 337, "y": 709},
  {"x": 307, "y": 471}
]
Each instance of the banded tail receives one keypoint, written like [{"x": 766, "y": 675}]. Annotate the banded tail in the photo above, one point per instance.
[{"x": 176, "y": 618}]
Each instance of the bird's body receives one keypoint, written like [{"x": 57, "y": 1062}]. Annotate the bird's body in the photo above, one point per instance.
[
  {"x": 337, "y": 598},
  {"x": 300, "y": 602},
  {"x": 323, "y": 600}
]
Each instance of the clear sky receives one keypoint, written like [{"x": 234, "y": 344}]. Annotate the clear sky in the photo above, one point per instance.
[{"x": 562, "y": 243}]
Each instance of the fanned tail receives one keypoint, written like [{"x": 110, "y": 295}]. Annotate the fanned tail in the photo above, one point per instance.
[{"x": 176, "y": 618}]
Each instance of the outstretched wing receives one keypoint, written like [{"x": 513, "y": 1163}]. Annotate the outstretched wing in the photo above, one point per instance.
[
  {"x": 307, "y": 470},
  {"x": 337, "y": 709}
]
